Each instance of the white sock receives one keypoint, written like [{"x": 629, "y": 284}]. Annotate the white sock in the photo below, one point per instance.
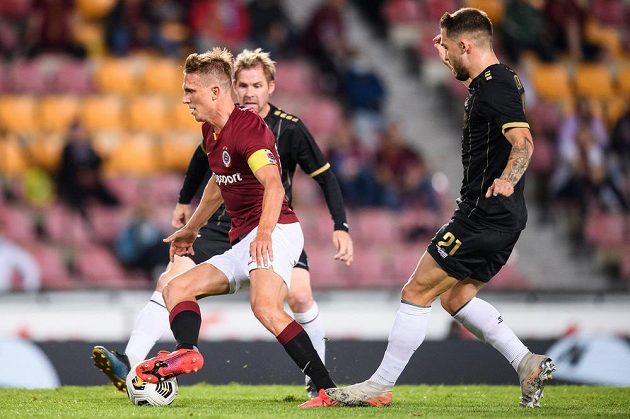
[
  {"x": 407, "y": 334},
  {"x": 150, "y": 325},
  {"x": 314, "y": 328},
  {"x": 485, "y": 322}
]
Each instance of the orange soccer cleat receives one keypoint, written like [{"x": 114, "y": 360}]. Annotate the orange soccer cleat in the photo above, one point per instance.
[
  {"x": 321, "y": 400},
  {"x": 169, "y": 364}
]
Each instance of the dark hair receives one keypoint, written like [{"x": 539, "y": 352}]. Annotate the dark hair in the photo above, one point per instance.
[{"x": 466, "y": 20}]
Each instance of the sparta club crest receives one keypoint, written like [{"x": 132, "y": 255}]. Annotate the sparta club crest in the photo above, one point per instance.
[{"x": 227, "y": 160}]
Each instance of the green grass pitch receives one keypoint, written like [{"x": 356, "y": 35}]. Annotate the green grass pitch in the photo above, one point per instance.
[{"x": 240, "y": 401}]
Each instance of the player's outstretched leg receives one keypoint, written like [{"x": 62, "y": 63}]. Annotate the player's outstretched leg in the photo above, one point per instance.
[
  {"x": 533, "y": 371},
  {"x": 169, "y": 364},
  {"x": 113, "y": 364},
  {"x": 367, "y": 393}
]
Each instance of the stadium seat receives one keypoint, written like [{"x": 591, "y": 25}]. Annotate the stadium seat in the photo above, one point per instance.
[
  {"x": 377, "y": 226},
  {"x": 107, "y": 222},
  {"x": 176, "y": 148},
  {"x": 495, "y": 9},
  {"x": 405, "y": 18},
  {"x": 17, "y": 224},
  {"x": 623, "y": 80},
  {"x": 102, "y": 113},
  {"x": 98, "y": 267},
  {"x": 436, "y": 8},
  {"x": 45, "y": 150},
  {"x": 323, "y": 118},
  {"x": 372, "y": 267},
  {"x": 72, "y": 77},
  {"x": 117, "y": 75},
  {"x": 94, "y": 9},
  {"x": 294, "y": 77},
  {"x": 509, "y": 278},
  {"x": 604, "y": 230},
  {"x": 551, "y": 82},
  {"x": 326, "y": 272},
  {"x": 404, "y": 260},
  {"x": 164, "y": 188},
  {"x": 58, "y": 112},
  {"x": 65, "y": 226},
  {"x": 593, "y": 81},
  {"x": 18, "y": 113},
  {"x": 183, "y": 119},
  {"x": 148, "y": 113},
  {"x": 163, "y": 76},
  {"x": 27, "y": 76},
  {"x": 126, "y": 188},
  {"x": 55, "y": 275},
  {"x": 135, "y": 155},
  {"x": 13, "y": 160}
]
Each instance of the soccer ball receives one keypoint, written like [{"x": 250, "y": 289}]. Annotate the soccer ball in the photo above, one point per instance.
[{"x": 142, "y": 393}]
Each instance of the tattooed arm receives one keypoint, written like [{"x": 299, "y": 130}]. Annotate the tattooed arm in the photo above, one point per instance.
[{"x": 522, "y": 149}]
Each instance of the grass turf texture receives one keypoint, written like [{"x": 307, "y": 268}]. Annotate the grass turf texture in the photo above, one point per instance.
[{"x": 239, "y": 401}]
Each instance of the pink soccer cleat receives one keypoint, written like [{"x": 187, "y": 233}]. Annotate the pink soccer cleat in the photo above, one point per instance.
[{"x": 169, "y": 364}]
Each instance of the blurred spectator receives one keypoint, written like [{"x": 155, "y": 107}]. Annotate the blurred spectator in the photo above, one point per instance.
[
  {"x": 17, "y": 266},
  {"x": 79, "y": 177},
  {"x": 324, "y": 41},
  {"x": 620, "y": 142},
  {"x": 352, "y": 164},
  {"x": 51, "y": 28},
  {"x": 13, "y": 27},
  {"x": 363, "y": 89},
  {"x": 402, "y": 174},
  {"x": 524, "y": 27},
  {"x": 567, "y": 21},
  {"x": 219, "y": 22},
  {"x": 140, "y": 245},
  {"x": 271, "y": 28},
  {"x": 582, "y": 179}
]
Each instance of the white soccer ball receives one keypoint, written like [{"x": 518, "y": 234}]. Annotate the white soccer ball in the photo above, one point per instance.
[{"x": 142, "y": 393}]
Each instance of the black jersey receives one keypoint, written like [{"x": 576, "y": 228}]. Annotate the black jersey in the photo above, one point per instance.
[
  {"x": 296, "y": 146},
  {"x": 494, "y": 104}
]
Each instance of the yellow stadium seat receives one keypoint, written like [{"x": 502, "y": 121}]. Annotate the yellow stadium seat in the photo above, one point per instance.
[
  {"x": 117, "y": 75},
  {"x": 13, "y": 160},
  {"x": 148, "y": 113},
  {"x": 102, "y": 113},
  {"x": 623, "y": 80},
  {"x": 183, "y": 119},
  {"x": 58, "y": 112},
  {"x": 163, "y": 76},
  {"x": 135, "y": 155},
  {"x": 176, "y": 149},
  {"x": 45, "y": 150},
  {"x": 551, "y": 82},
  {"x": 593, "y": 80},
  {"x": 495, "y": 9},
  {"x": 17, "y": 113}
]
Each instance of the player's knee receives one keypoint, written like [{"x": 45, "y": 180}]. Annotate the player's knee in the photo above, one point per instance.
[
  {"x": 265, "y": 313},
  {"x": 162, "y": 281},
  {"x": 449, "y": 304},
  {"x": 300, "y": 300}
]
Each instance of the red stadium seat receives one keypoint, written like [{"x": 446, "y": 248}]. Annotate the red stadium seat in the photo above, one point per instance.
[
  {"x": 17, "y": 224},
  {"x": 325, "y": 271},
  {"x": 55, "y": 275},
  {"x": 72, "y": 77},
  {"x": 605, "y": 230},
  {"x": 323, "y": 118},
  {"x": 99, "y": 268},
  {"x": 372, "y": 267},
  {"x": 294, "y": 77},
  {"x": 66, "y": 226},
  {"x": 377, "y": 226},
  {"x": 27, "y": 77}
]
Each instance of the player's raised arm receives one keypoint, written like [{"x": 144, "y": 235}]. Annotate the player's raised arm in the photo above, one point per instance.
[{"x": 518, "y": 160}]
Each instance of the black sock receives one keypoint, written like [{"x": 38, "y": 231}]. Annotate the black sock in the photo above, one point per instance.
[
  {"x": 300, "y": 348},
  {"x": 185, "y": 319}
]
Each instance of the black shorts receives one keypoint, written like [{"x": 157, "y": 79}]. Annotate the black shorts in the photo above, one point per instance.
[
  {"x": 213, "y": 240},
  {"x": 469, "y": 250},
  {"x": 302, "y": 262}
]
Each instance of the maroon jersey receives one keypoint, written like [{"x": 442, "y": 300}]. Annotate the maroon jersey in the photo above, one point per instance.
[{"x": 243, "y": 146}]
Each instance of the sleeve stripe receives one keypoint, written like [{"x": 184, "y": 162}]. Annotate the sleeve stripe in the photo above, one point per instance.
[
  {"x": 259, "y": 159},
  {"x": 320, "y": 170},
  {"x": 509, "y": 125}
]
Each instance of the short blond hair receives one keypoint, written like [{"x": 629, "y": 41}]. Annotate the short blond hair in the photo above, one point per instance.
[
  {"x": 251, "y": 59},
  {"x": 217, "y": 62}
]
